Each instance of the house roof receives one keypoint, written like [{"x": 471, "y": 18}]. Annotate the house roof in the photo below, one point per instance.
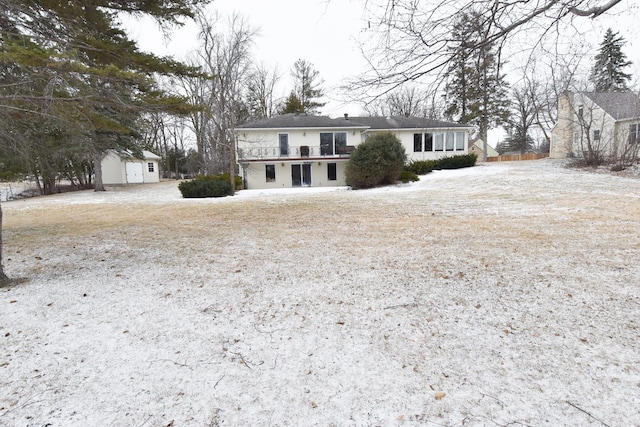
[
  {"x": 404, "y": 122},
  {"x": 301, "y": 120},
  {"x": 619, "y": 105}
]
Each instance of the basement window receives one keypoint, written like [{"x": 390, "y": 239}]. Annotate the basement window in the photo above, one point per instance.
[{"x": 270, "y": 171}]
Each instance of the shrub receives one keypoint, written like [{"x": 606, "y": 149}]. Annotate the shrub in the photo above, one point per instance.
[
  {"x": 207, "y": 186},
  {"x": 421, "y": 167},
  {"x": 378, "y": 160},
  {"x": 408, "y": 176},
  {"x": 457, "y": 162}
]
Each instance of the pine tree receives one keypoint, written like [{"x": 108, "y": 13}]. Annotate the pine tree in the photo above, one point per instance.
[
  {"x": 72, "y": 83},
  {"x": 607, "y": 74},
  {"x": 307, "y": 86},
  {"x": 476, "y": 91},
  {"x": 292, "y": 104}
]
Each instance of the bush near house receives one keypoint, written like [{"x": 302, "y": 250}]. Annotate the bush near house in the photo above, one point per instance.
[
  {"x": 208, "y": 186},
  {"x": 421, "y": 167},
  {"x": 457, "y": 162},
  {"x": 407, "y": 176},
  {"x": 379, "y": 160}
]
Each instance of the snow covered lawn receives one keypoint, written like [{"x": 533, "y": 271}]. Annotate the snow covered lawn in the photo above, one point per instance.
[{"x": 503, "y": 294}]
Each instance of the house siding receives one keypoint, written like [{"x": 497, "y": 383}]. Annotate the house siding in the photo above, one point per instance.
[
  {"x": 258, "y": 145},
  {"x": 406, "y": 139},
  {"x": 572, "y": 134}
]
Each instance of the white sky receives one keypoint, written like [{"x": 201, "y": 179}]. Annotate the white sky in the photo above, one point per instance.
[
  {"x": 322, "y": 32},
  {"x": 326, "y": 33}
]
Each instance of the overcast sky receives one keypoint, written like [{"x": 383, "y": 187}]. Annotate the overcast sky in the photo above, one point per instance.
[
  {"x": 326, "y": 33},
  {"x": 323, "y": 33}
]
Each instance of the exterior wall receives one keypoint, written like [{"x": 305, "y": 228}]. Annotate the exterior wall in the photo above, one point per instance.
[
  {"x": 113, "y": 171},
  {"x": 572, "y": 135},
  {"x": 260, "y": 147},
  {"x": 477, "y": 149},
  {"x": 257, "y": 148},
  {"x": 254, "y": 173},
  {"x": 151, "y": 176},
  {"x": 624, "y": 148},
  {"x": 262, "y": 144},
  {"x": 562, "y": 133},
  {"x": 406, "y": 138},
  {"x": 593, "y": 119}
]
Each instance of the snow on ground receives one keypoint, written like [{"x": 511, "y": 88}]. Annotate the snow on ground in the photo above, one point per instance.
[{"x": 505, "y": 294}]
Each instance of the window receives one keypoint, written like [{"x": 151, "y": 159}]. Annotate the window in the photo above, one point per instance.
[
  {"x": 417, "y": 142},
  {"x": 151, "y": 167},
  {"x": 459, "y": 141},
  {"x": 331, "y": 172},
  {"x": 330, "y": 142},
  {"x": 428, "y": 142},
  {"x": 450, "y": 137},
  {"x": 341, "y": 140},
  {"x": 283, "y": 140},
  {"x": 634, "y": 133},
  {"x": 580, "y": 112},
  {"x": 326, "y": 144},
  {"x": 439, "y": 137},
  {"x": 596, "y": 135},
  {"x": 270, "y": 172}
]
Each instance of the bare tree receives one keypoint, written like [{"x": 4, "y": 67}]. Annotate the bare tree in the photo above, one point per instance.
[
  {"x": 412, "y": 39},
  {"x": 225, "y": 58},
  {"x": 261, "y": 84},
  {"x": 3, "y": 277},
  {"x": 407, "y": 101},
  {"x": 523, "y": 115}
]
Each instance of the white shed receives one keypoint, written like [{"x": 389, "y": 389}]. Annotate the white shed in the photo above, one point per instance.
[{"x": 126, "y": 169}]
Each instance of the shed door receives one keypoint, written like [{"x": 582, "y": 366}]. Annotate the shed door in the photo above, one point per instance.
[{"x": 134, "y": 172}]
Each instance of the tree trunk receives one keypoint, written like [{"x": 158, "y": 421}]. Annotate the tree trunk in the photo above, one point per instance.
[
  {"x": 97, "y": 170},
  {"x": 232, "y": 165},
  {"x": 3, "y": 277}
]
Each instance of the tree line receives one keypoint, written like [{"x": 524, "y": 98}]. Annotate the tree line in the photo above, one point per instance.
[{"x": 458, "y": 52}]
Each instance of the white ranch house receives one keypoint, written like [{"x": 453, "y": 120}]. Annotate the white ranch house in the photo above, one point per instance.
[
  {"x": 123, "y": 168},
  {"x": 294, "y": 150},
  {"x": 608, "y": 122}
]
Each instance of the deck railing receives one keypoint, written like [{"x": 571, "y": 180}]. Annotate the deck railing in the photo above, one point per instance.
[{"x": 295, "y": 152}]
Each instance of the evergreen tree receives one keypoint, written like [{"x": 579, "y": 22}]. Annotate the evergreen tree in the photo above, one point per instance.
[
  {"x": 607, "y": 74},
  {"x": 292, "y": 104},
  {"x": 307, "y": 89},
  {"x": 476, "y": 91},
  {"x": 69, "y": 65},
  {"x": 72, "y": 84},
  {"x": 518, "y": 140}
]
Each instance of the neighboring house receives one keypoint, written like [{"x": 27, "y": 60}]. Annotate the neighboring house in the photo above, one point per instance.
[
  {"x": 295, "y": 150},
  {"x": 476, "y": 146},
  {"x": 606, "y": 125},
  {"x": 126, "y": 169}
]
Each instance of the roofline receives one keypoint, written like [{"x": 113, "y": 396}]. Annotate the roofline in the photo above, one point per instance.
[{"x": 304, "y": 127}]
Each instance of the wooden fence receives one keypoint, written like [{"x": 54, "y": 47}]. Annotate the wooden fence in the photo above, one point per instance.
[{"x": 518, "y": 157}]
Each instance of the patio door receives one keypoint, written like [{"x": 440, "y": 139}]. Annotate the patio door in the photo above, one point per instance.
[{"x": 301, "y": 175}]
